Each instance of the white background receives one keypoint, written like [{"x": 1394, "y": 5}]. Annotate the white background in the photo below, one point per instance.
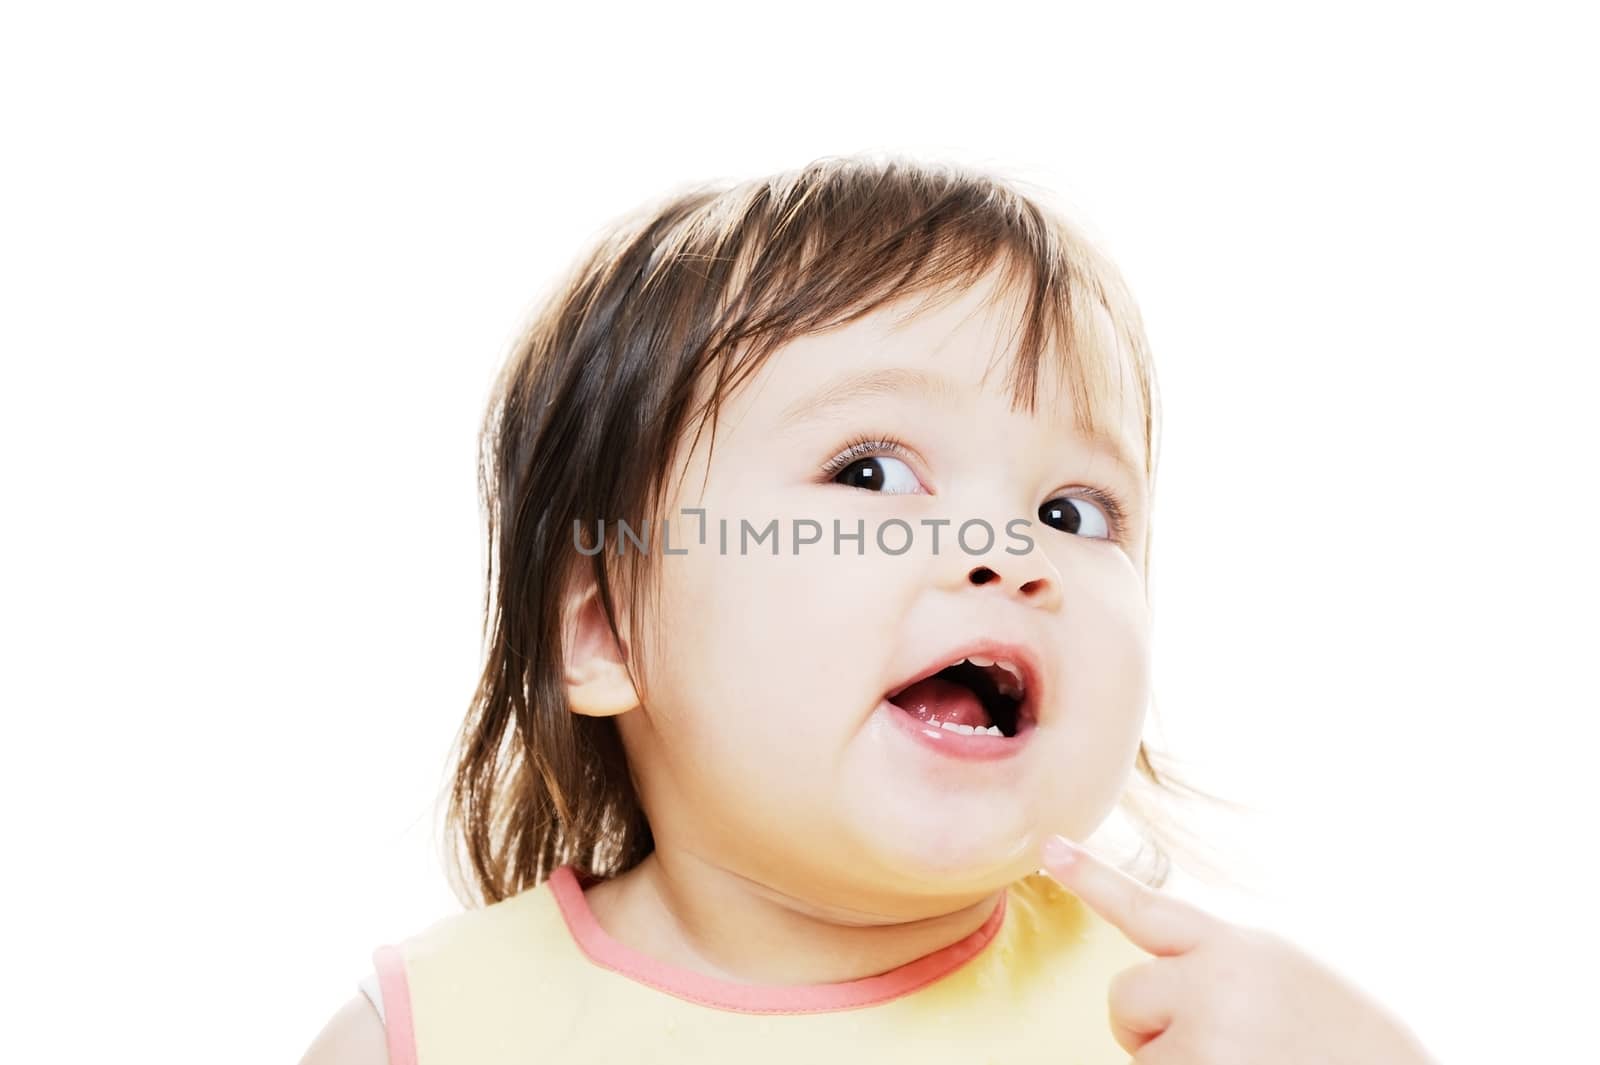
[{"x": 259, "y": 264}]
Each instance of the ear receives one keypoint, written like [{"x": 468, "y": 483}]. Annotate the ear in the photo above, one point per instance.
[{"x": 595, "y": 669}]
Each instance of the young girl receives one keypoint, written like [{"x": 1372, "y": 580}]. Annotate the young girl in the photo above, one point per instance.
[{"x": 819, "y": 515}]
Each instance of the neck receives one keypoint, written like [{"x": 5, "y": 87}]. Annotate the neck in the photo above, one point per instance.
[{"x": 686, "y": 912}]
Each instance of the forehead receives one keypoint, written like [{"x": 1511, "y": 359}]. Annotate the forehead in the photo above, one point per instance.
[{"x": 957, "y": 349}]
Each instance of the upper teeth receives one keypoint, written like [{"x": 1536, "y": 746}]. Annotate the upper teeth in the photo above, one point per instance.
[{"x": 1011, "y": 684}]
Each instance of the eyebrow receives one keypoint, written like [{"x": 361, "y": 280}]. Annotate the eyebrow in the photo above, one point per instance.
[
  {"x": 865, "y": 384},
  {"x": 902, "y": 381}
]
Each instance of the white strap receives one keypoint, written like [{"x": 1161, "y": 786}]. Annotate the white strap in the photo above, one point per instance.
[{"x": 369, "y": 985}]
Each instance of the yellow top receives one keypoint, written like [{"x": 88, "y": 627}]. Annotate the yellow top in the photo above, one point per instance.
[{"x": 533, "y": 978}]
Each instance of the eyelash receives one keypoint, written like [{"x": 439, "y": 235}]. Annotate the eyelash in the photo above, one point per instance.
[
  {"x": 869, "y": 446},
  {"x": 1117, "y": 522},
  {"x": 865, "y": 447}
]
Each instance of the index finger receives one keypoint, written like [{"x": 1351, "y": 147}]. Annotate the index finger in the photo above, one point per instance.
[{"x": 1154, "y": 921}]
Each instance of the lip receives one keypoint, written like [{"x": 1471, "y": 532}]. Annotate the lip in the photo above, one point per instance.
[{"x": 1020, "y": 654}]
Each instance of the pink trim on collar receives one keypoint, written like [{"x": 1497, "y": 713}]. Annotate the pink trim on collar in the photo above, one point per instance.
[{"x": 758, "y": 998}]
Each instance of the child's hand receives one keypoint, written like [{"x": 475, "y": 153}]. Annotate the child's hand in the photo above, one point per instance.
[{"x": 1220, "y": 994}]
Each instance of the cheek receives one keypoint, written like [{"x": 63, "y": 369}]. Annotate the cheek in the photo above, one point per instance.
[
  {"x": 1105, "y": 687},
  {"x": 769, "y": 662}
]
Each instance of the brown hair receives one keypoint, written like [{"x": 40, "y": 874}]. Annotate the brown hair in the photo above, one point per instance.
[{"x": 590, "y": 411}]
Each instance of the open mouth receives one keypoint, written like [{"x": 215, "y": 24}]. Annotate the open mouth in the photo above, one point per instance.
[{"x": 974, "y": 695}]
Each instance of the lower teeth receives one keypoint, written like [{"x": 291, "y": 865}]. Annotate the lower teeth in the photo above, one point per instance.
[{"x": 969, "y": 730}]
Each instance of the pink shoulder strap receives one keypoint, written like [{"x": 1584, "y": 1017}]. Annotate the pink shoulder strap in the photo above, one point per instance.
[{"x": 391, "y": 966}]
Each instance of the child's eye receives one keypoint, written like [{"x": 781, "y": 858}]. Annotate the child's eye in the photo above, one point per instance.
[
  {"x": 862, "y": 465},
  {"x": 880, "y": 474},
  {"x": 1080, "y": 517}
]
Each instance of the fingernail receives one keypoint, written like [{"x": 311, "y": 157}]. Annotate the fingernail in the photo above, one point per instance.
[{"x": 1058, "y": 850}]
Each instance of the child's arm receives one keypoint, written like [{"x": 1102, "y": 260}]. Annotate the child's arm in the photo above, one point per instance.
[{"x": 353, "y": 1036}]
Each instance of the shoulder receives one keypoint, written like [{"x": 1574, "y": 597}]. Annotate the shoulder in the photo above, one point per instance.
[
  {"x": 482, "y": 934},
  {"x": 353, "y": 1036},
  {"x": 456, "y": 959}
]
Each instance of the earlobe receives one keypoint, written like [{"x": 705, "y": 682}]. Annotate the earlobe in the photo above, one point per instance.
[{"x": 595, "y": 668}]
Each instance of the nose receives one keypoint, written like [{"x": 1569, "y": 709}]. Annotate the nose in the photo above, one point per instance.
[
  {"x": 1030, "y": 576},
  {"x": 1039, "y": 589}
]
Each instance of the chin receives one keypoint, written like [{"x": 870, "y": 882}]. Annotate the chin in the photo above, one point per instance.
[{"x": 945, "y": 857}]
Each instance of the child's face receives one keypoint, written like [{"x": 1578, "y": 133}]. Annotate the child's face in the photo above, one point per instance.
[{"x": 767, "y": 744}]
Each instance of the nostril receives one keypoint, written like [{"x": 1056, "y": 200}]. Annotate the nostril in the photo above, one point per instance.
[
  {"x": 982, "y": 575},
  {"x": 1038, "y": 587}
]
